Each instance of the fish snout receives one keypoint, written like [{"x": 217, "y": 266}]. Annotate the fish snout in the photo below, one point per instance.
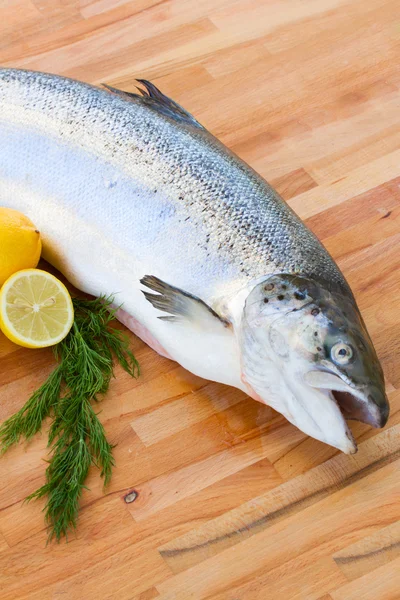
[
  {"x": 370, "y": 406},
  {"x": 378, "y": 399}
]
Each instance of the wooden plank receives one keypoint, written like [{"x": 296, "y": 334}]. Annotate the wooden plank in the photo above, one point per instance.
[
  {"x": 3, "y": 543},
  {"x": 261, "y": 513},
  {"x": 298, "y": 579},
  {"x": 149, "y": 594},
  {"x": 382, "y": 583},
  {"x": 293, "y": 183},
  {"x": 177, "y": 519},
  {"x": 309, "y": 96},
  {"x": 323, "y": 525},
  {"x": 370, "y": 553},
  {"x": 167, "y": 489},
  {"x": 184, "y": 412},
  {"x": 325, "y": 196},
  {"x": 121, "y": 575},
  {"x": 378, "y": 201}
]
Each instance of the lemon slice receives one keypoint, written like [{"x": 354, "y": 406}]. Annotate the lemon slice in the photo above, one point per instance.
[{"x": 35, "y": 309}]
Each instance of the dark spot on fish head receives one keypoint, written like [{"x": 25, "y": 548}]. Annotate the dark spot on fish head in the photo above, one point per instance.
[
  {"x": 299, "y": 295},
  {"x": 284, "y": 287},
  {"x": 319, "y": 348},
  {"x": 315, "y": 312},
  {"x": 266, "y": 300},
  {"x": 316, "y": 333},
  {"x": 281, "y": 297}
]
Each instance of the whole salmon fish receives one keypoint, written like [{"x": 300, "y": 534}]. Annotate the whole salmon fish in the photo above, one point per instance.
[{"x": 134, "y": 197}]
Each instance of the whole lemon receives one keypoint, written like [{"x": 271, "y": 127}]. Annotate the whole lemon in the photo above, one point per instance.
[{"x": 20, "y": 244}]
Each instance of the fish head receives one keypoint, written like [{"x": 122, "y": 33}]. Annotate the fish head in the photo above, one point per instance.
[{"x": 306, "y": 352}]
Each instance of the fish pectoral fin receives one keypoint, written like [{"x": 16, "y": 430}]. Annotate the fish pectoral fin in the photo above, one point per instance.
[
  {"x": 180, "y": 305},
  {"x": 158, "y": 101}
]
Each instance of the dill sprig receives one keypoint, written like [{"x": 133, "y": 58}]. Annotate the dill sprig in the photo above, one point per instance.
[
  {"x": 28, "y": 421},
  {"x": 77, "y": 438}
]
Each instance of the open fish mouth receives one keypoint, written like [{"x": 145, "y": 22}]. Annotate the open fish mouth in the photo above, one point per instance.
[
  {"x": 353, "y": 409},
  {"x": 366, "y": 404},
  {"x": 345, "y": 402},
  {"x": 365, "y": 407}
]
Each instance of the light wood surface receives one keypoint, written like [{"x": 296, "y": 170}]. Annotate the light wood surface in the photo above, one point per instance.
[{"x": 233, "y": 502}]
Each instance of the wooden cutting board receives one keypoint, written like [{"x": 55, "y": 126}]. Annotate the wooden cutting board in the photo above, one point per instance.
[{"x": 230, "y": 501}]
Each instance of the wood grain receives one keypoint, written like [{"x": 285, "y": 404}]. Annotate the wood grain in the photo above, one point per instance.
[{"x": 231, "y": 501}]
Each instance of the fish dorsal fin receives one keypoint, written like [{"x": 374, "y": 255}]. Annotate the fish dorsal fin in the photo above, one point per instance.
[{"x": 159, "y": 102}]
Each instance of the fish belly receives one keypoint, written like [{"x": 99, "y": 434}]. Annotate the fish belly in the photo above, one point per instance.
[{"x": 104, "y": 231}]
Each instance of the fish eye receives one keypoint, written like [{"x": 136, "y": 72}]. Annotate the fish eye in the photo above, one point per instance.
[{"x": 342, "y": 353}]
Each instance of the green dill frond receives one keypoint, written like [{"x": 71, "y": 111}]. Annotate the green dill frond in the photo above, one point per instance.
[
  {"x": 101, "y": 449},
  {"x": 28, "y": 421},
  {"x": 65, "y": 479},
  {"x": 76, "y": 438},
  {"x": 114, "y": 342}
]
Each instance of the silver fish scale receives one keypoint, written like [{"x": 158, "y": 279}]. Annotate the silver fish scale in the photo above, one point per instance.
[
  {"x": 246, "y": 216},
  {"x": 237, "y": 213}
]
